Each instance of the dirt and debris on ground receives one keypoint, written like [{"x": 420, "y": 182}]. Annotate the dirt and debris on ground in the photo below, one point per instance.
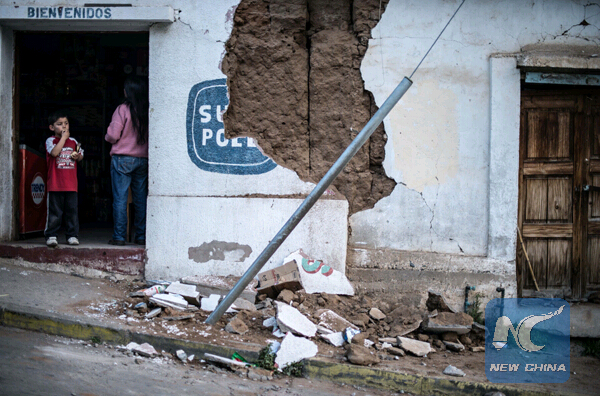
[{"x": 380, "y": 329}]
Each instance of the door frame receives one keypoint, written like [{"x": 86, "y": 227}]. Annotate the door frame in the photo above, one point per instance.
[{"x": 15, "y": 18}]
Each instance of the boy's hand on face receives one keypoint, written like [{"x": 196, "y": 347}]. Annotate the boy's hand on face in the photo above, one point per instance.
[{"x": 65, "y": 134}]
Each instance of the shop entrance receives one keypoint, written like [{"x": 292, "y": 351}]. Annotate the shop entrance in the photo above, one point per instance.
[{"x": 83, "y": 74}]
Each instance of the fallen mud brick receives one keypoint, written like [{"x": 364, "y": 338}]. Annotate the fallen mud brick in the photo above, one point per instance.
[
  {"x": 236, "y": 326},
  {"x": 285, "y": 277},
  {"x": 417, "y": 348},
  {"x": 423, "y": 337},
  {"x": 436, "y": 301},
  {"x": 450, "y": 336},
  {"x": 360, "y": 355},
  {"x": 359, "y": 338},
  {"x": 465, "y": 340},
  {"x": 376, "y": 314},
  {"x": 287, "y": 296},
  {"x": 396, "y": 351},
  {"x": 294, "y": 349},
  {"x": 402, "y": 330},
  {"x": 453, "y": 371},
  {"x": 459, "y": 323},
  {"x": 361, "y": 320},
  {"x": 454, "y": 346},
  {"x": 333, "y": 321}
]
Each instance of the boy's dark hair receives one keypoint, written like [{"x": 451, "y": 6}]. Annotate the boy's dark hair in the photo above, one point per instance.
[{"x": 56, "y": 115}]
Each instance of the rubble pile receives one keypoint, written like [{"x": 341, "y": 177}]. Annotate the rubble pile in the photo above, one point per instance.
[{"x": 357, "y": 328}]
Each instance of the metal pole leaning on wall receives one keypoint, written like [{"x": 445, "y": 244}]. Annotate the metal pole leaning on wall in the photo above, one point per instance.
[{"x": 312, "y": 198}]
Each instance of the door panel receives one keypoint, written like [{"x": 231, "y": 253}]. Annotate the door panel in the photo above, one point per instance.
[{"x": 559, "y": 208}]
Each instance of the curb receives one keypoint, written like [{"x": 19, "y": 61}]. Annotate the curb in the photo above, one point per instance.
[{"x": 56, "y": 324}]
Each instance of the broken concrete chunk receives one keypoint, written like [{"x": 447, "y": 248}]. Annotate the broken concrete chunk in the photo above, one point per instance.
[
  {"x": 453, "y": 371},
  {"x": 174, "y": 301},
  {"x": 454, "y": 346},
  {"x": 459, "y": 323},
  {"x": 181, "y": 355},
  {"x": 368, "y": 343},
  {"x": 324, "y": 330},
  {"x": 153, "y": 313},
  {"x": 385, "y": 345},
  {"x": 335, "y": 339},
  {"x": 417, "y": 348},
  {"x": 317, "y": 277},
  {"x": 360, "y": 355},
  {"x": 294, "y": 349},
  {"x": 436, "y": 300},
  {"x": 333, "y": 321},
  {"x": 210, "y": 303},
  {"x": 478, "y": 349},
  {"x": 132, "y": 345},
  {"x": 188, "y": 292},
  {"x": 389, "y": 340},
  {"x": 290, "y": 319},
  {"x": 270, "y": 322},
  {"x": 236, "y": 326},
  {"x": 145, "y": 350},
  {"x": 376, "y": 314}
]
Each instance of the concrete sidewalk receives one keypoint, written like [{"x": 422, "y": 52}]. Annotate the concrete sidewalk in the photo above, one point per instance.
[{"x": 48, "y": 302}]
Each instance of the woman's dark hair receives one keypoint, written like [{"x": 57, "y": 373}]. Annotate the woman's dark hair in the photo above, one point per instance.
[{"x": 136, "y": 90}]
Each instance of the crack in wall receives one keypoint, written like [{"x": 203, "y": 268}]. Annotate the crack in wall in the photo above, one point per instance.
[
  {"x": 584, "y": 23},
  {"x": 295, "y": 86}
]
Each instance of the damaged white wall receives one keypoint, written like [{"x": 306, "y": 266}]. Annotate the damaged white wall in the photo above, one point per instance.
[
  {"x": 453, "y": 139},
  {"x": 195, "y": 210}
]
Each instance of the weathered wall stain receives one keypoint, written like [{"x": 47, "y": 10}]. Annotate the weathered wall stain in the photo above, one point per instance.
[
  {"x": 295, "y": 85},
  {"x": 219, "y": 250}
]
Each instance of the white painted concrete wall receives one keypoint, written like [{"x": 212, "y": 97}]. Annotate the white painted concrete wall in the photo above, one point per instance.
[{"x": 454, "y": 194}]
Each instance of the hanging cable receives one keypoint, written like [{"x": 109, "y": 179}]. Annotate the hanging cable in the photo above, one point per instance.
[{"x": 439, "y": 35}]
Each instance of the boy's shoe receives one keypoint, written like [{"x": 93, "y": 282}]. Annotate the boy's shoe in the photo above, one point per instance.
[
  {"x": 116, "y": 242},
  {"x": 52, "y": 242},
  {"x": 73, "y": 241},
  {"x": 140, "y": 242}
]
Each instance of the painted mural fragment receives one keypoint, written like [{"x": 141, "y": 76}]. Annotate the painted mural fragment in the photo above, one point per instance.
[{"x": 207, "y": 146}]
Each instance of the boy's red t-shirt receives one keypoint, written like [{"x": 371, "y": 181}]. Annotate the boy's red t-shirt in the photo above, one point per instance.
[{"x": 62, "y": 169}]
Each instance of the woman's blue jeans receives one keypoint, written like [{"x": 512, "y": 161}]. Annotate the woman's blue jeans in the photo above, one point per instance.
[{"x": 128, "y": 172}]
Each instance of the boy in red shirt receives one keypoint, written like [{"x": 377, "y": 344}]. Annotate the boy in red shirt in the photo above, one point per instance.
[{"x": 62, "y": 155}]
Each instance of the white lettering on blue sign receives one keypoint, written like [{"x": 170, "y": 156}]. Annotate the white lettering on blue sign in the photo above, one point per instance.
[
  {"x": 69, "y": 13},
  {"x": 208, "y": 147}
]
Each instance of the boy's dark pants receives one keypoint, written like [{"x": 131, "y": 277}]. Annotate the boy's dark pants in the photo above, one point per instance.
[{"x": 62, "y": 205}]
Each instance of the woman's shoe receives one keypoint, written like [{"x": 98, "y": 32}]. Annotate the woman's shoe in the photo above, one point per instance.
[{"x": 116, "y": 242}]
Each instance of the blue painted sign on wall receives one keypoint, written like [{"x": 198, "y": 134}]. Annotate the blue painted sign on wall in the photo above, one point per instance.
[{"x": 207, "y": 146}]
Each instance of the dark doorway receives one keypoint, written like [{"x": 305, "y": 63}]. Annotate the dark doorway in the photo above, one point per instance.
[{"x": 83, "y": 74}]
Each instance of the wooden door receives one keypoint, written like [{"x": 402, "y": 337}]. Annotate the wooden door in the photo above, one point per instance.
[{"x": 559, "y": 209}]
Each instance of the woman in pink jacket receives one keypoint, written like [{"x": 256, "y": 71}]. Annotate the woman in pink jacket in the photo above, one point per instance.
[{"x": 128, "y": 133}]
